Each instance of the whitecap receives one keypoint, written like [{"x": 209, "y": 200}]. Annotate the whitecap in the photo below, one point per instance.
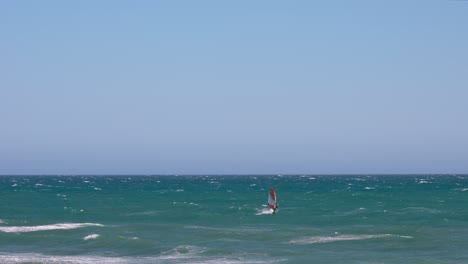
[
  {"x": 177, "y": 255},
  {"x": 39, "y": 258},
  {"x": 182, "y": 252},
  {"x": 330, "y": 239},
  {"x": 92, "y": 236},
  {"x": 64, "y": 226}
]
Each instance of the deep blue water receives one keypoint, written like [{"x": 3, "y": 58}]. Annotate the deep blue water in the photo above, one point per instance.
[{"x": 224, "y": 219}]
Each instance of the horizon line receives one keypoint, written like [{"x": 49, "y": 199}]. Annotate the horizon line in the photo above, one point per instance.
[{"x": 243, "y": 174}]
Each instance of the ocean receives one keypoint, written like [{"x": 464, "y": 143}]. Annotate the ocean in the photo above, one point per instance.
[{"x": 225, "y": 219}]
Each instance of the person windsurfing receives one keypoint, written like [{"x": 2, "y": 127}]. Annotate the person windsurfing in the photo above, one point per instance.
[{"x": 272, "y": 203}]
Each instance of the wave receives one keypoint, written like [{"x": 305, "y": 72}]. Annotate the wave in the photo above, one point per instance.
[
  {"x": 330, "y": 239},
  {"x": 64, "y": 226},
  {"x": 193, "y": 255},
  {"x": 183, "y": 251},
  {"x": 6, "y": 258},
  {"x": 92, "y": 236},
  {"x": 39, "y": 258}
]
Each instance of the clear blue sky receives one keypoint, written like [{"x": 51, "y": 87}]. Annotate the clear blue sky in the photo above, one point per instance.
[{"x": 195, "y": 87}]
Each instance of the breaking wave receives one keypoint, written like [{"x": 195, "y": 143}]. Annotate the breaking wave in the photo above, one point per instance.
[
  {"x": 39, "y": 258},
  {"x": 92, "y": 236},
  {"x": 64, "y": 226},
  {"x": 330, "y": 239},
  {"x": 89, "y": 259}
]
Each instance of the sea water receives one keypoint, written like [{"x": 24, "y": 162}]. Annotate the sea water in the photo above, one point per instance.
[{"x": 225, "y": 219}]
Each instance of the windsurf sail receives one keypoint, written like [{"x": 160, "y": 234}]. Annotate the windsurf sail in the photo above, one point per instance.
[{"x": 272, "y": 203}]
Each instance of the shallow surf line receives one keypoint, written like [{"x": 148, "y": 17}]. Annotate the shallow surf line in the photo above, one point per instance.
[
  {"x": 64, "y": 226},
  {"x": 330, "y": 239}
]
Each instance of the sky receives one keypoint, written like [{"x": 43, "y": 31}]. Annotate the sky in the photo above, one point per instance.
[{"x": 233, "y": 87}]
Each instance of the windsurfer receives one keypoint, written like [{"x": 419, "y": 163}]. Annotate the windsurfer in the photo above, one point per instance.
[{"x": 272, "y": 200}]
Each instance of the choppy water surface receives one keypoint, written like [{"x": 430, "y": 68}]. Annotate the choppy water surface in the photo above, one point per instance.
[{"x": 224, "y": 219}]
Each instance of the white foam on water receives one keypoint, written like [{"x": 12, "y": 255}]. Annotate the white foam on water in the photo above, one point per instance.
[
  {"x": 193, "y": 255},
  {"x": 64, "y": 226},
  {"x": 338, "y": 238},
  {"x": 169, "y": 257},
  {"x": 39, "y": 258},
  {"x": 181, "y": 252},
  {"x": 92, "y": 236},
  {"x": 264, "y": 211}
]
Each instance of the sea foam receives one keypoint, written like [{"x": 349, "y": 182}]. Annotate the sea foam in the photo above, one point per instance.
[
  {"x": 64, "y": 226},
  {"x": 39, "y": 258},
  {"x": 92, "y": 236},
  {"x": 88, "y": 259},
  {"x": 330, "y": 239}
]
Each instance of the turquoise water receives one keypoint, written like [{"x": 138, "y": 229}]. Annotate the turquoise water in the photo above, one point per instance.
[{"x": 224, "y": 219}]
